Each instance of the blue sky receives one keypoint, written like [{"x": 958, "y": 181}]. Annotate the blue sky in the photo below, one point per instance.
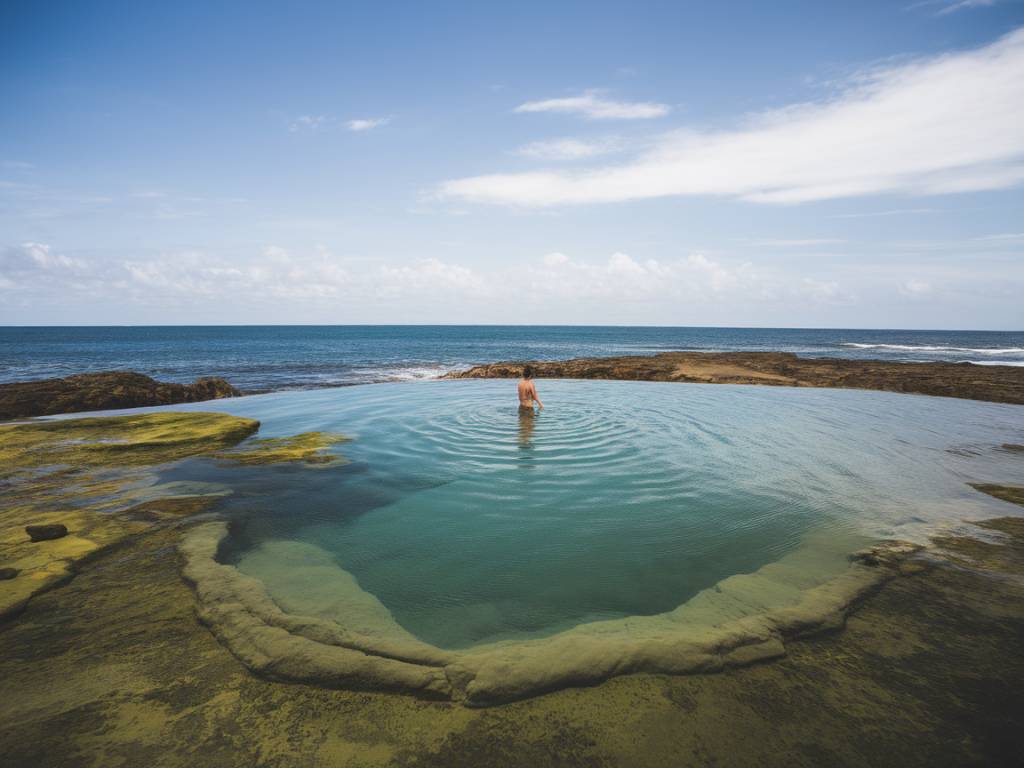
[{"x": 776, "y": 164}]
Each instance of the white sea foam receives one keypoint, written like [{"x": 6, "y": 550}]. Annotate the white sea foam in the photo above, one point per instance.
[
  {"x": 939, "y": 348},
  {"x": 417, "y": 373},
  {"x": 1017, "y": 363}
]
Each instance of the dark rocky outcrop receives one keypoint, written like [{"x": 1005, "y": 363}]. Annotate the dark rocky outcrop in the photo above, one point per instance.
[
  {"x": 995, "y": 383},
  {"x": 103, "y": 391},
  {"x": 46, "y": 532},
  {"x": 8, "y": 573}
]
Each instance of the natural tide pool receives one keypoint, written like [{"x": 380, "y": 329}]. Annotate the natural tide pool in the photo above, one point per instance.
[{"x": 461, "y": 523}]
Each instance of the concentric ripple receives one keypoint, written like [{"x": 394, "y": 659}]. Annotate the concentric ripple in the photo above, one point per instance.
[{"x": 473, "y": 523}]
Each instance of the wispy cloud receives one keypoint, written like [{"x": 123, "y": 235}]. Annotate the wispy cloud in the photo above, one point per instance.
[
  {"x": 930, "y": 126},
  {"x": 367, "y": 123},
  {"x": 570, "y": 149},
  {"x": 309, "y": 123},
  {"x": 808, "y": 242},
  {"x": 593, "y": 105},
  {"x": 944, "y": 7},
  {"x": 891, "y": 212},
  {"x": 1004, "y": 237}
]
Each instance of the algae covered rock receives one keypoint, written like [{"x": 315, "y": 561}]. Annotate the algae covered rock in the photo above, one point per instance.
[
  {"x": 103, "y": 391},
  {"x": 307, "y": 447},
  {"x": 140, "y": 439},
  {"x": 78, "y": 474},
  {"x": 1011, "y": 493}
]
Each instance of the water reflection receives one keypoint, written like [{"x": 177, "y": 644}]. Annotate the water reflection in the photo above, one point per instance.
[{"x": 527, "y": 423}]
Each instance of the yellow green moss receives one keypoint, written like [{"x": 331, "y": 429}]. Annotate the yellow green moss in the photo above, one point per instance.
[
  {"x": 307, "y": 447},
  {"x": 149, "y": 438},
  {"x": 80, "y": 473}
]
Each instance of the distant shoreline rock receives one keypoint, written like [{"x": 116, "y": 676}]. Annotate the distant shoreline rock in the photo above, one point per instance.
[
  {"x": 993, "y": 383},
  {"x": 103, "y": 392}
]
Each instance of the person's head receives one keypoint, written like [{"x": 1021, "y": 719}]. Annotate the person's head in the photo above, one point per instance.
[{"x": 527, "y": 371}]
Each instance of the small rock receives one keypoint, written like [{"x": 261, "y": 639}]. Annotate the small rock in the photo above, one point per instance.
[
  {"x": 46, "y": 532},
  {"x": 8, "y": 573}
]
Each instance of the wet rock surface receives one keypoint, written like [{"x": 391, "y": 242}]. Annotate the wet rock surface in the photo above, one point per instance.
[
  {"x": 114, "y": 669},
  {"x": 83, "y": 485},
  {"x": 1000, "y": 384},
  {"x": 46, "y": 532},
  {"x": 103, "y": 391}
]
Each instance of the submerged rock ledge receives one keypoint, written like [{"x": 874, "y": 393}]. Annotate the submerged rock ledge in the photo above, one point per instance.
[
  {"x": 753, "y": 616},
  {"x": 994, "y": 383}
]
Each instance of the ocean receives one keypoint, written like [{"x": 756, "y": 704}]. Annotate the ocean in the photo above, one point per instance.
[{"x": 271, "y": 358}]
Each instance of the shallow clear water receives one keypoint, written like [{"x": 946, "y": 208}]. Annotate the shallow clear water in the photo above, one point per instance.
[{"x": 472, "y": 524}]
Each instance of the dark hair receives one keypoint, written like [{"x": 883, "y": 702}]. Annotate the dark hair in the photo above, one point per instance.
[{"x": 527, "y": 371}]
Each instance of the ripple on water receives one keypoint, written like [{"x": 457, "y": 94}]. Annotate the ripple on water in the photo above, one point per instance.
[{"x": 619, "y": 498}]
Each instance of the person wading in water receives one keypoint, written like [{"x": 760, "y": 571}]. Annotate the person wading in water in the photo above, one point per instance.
[{"x": 528, "y": 391}]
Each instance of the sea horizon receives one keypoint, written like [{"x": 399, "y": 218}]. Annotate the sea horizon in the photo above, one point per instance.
[{"x": 262, "y": 358}]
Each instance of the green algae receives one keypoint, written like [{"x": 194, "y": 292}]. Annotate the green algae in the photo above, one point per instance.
[
  {"x": 84, "y": 473},
  {"x": 1011, "y": 493},
  {"x": 142, "y": 439},
  {"x": 307, "y": 447}
]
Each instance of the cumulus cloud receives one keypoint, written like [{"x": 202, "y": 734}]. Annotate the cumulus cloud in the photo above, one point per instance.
[
  {"x": 694, "y": 279},
  {"x": 594, "y": 105},
  {"x": 930, "y": 126},
  {"x": 274, "y": 272},
  {"x": 30, "y": 261},
  {"x": 430, "y": 276},
  {"x": 569, "y": 149},
  {"x": 367, "y": 123}
]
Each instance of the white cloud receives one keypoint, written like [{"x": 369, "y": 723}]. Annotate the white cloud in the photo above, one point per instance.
[
  {"x": 35, "y": 261},
  {"x": 273, "y": 273},
  {"x": 367, "y": 124},
  {"x": 429, "y": 277},
  {"x": 936, "y": 125},
  {"x": 309, "y": 123},
  {"x": 943, "y": 7},
  {"x": 593, "y": 105},
  {"x": 569, "y": 149},
  {"x": 891, "y": 212},
  {"x": 623, "y": 278}
]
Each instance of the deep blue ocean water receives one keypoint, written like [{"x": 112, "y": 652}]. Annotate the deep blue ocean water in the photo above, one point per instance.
[{"x": 262, "y": 358}]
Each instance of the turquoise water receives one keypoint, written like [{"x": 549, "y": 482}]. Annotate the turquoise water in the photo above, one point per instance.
[{"x": 471, "y": 523}]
